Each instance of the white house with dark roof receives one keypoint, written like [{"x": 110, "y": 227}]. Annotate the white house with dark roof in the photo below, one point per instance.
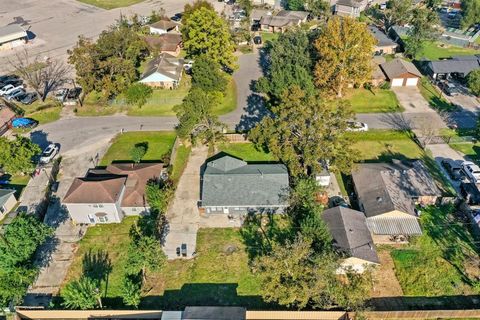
[
  {"x": 165, "y": 71},
  {"x": 352, "y": 238},
  {"x": 384, "y": 44},
  {"x": 281, "y": 21},
  {"x": 232, "y": 186},
  {"x": 163, "y": 26}
]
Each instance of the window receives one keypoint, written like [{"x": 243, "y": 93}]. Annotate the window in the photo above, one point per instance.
[
  {"x": 100, "y": 205},
  {"x": 95, "y": 205},
  {"x": 134, "y": 209},
  {"x": 103, "y": 219},
  {"x": 91, "y": 218},
  {"x": 3, "y": 209}
]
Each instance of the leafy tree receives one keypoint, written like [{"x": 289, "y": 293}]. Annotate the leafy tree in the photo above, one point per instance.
[
  {"x": 304, "y": 131},
  {"x": 138, "y": 94},
  {"x": 398, "y": 12},
  {"x": 14, "y": 282},
  {"x": 423, "y": 29},
  {"x": 158, "y": 195},
  {"x": 207, "y": 75},
  {"x": 298, "y": 5},
  {"x": 132, "y": 289},
  {"x": 83, "y": 294},
  {"x": 433, "y": 4},
  {"x": 471, "y": 12},
  {"x": 246, "y": 5},
  {"x": 344, "y": 55},
  {"x": 206, "y": 33},
  {"x": 144, "y": 254},
  {"x": 137, "y": 152},
  {"x": 289, "y": 62},
  {"x": 156, "y": 15},
  {"x": 318, "y": 8},
  {"x": 16, "y": 156},
  {"x": 190, "y": 8},
  {"x": 196, "y": 118},
  {"x": 352, "y": 289},
  {"x": 473, "y": 82},
  {"x": 84, "y": 58}
]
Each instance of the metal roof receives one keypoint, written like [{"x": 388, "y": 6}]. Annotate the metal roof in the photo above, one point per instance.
[
  {"x": 12, "y": 32},
  {"x": 407, "y": 225}
]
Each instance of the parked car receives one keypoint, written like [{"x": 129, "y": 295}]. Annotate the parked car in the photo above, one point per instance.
[
  {"x": 49, "y": 153},
  {"x": 61, "y": 94},
  {"x": 29, "y": 98},
  {"x": 357, "y": 126},
  {"x": 73, "y": 93},
  {"x": 15, "y": 93},
  {"x": 24, "y": 123},
  {"x": 6, "y": 77},
  {"x": 9, "y": 89},
  {"x": 449, "y": 88},
  {"x": 453, "y": 169},
  {"x": 177, "y": 17},
  {"x": 257, "y": 40},
  {"x": 14, "y": 82},
  {"x": 20, "y": 96},
  {"x": 472, "y": 171},
  {"x": 470, "y": 193}
]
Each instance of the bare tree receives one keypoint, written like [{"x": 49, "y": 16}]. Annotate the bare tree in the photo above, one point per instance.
[{"x": 42, "y": 74}]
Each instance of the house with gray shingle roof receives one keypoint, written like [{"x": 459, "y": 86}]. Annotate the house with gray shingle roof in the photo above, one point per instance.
[
  {"x": 164, "y": 71},
  {"x": 458, "y": 67},
  {"x": 388, "y": 192},
  {"x": 232, "y": 186},
  {"x": 7, "y": 201},
  {"x": 401, "y": 73},
  {"x": 351, "y": 237}
]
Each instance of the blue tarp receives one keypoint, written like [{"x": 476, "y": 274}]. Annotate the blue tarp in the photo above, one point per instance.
[{"x": 22, "y": 122}]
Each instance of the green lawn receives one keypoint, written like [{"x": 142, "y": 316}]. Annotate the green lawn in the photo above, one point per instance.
[
  {"x": 434, "y": 96},
  {"x": 437, "y": 50},
  {"x": 183, "y": 153},
  {"x": 43, "y": 112},
  {"x": 17, "y": 182},
  {"x": 435, "y": 264},
  {"x": 269, "y": 36},
  {"x": 378, "y": 100},
  {"x": 110, "y": 4},
  {"x": 159, "y": 143},
  {"x": 246, "y": 151},
  {"x": 219, "y": 275},
  {"x": 467, "y": 148}
]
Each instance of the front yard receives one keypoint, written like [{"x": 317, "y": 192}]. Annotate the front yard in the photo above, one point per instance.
[
  {"x": 247, "y": 152},
  {"x": 376, "y": 100},
  {"x": 43, "y": 112},
  {"x": 159, "y": 144},
  {"x": 434, "y": 96}
]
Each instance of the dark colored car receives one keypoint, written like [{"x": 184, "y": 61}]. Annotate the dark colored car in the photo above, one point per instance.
[
  {"x": 13, "y": 82},
  {"x": 184, "y": 249},
  {"x": 29, "y": 98},
  {"x": 177, "y": 17},
  {"x": 453, "y": 169},
  {"x": 73, "y": 93},
  {"x": 8, "y": 77},
  {"x": 20, "y": 96},
  {"x": 257, "y": 40}
]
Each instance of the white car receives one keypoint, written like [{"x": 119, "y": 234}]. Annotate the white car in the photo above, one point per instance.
[
  {"x": 188, "y": 65},
  {"x": 9, "y": 89},
  {"x": 472, "y": 171},
  {"x": 49, "y": 153},
  {"x": 357, "y": 126},
  {"x": 15, "y": 93}
]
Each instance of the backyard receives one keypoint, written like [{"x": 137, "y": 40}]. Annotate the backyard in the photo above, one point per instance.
[
  {"x": 437, "y": 50},
  {"x": 111, "y": 4},
  {"x": 443, "y": 261},
  {"x": 158, "y": 143},
  {"x": 247, "y": 152},
  {"x": 376, "y": 100}
]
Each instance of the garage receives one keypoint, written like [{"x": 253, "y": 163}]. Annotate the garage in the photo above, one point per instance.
[{"x": 401, "y": 73}]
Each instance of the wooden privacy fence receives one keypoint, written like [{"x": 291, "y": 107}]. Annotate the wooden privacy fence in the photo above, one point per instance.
[{"x": 422, "y": 314}]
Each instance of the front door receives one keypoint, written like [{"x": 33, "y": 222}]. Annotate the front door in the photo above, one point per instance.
[{"x": 225, "y": 210}]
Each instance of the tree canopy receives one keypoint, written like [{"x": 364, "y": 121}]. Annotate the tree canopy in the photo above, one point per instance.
[
  {"x": 138, "y": 94},
  {"x": 473, "y": 81},
  {"x": 344, "y": 50},
  {"x": 204, "y": 32},
  {"x": 471, "y": 12},
  {"x": 82, "y": 294},
  {"x": 423, "y": 29},
  {"x": 17, "y": 155},
  {"x": 304, "y": 131},
  {"x": 208, "y": 76},
  {"x": 398, "y": 12},
  {"x": 289, "y": 63}
]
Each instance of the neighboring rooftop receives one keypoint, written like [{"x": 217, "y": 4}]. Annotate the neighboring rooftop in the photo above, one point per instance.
[
  {"x": 382, "y": 39},
  {"x": 231, "y": 181},
  {"x": 350, "y": 233},
  {"x": 104, "y": 189},
  {"x": 165, "y": 64},
  {"x": 164, "y": 24},
  {"x": 398, "y": 67},
  {"x": 12, "y": 32},
  {"x": 214, "y": 313},
  {"x": 460, "y": 64},
  {"x": 350, "y": 3},
  {"x": 6, "y": 114},
  {"x": 165, "y": 42}
]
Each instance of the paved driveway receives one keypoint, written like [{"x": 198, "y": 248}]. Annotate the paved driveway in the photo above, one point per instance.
[{"x": 411, "y": 99}]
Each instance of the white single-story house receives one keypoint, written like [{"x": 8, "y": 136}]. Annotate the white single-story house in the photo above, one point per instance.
[
  {"x": 163, "y": 26},
  {"x": 12, "y": 36},
  {"x": 165, "y": 71},
  {"x": 7, "y": 201},
  {"x": 401, "y": 73}
]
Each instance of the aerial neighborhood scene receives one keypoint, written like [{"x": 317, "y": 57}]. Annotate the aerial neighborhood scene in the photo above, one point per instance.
[{"x": 239, "y": 159}]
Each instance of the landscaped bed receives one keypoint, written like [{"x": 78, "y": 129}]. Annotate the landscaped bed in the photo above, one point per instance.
[
  {"x": 159, "y": 144},
  {"x": 376, "y": 100}
]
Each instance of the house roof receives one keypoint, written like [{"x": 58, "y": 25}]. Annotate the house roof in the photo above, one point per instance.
[
  {"x": 397, "y": 67},
  {"x": 275, "y": 21},
  {"x": 164, "y": 24},
  {"x": 350, "y": 233},
  {"x": 294, "y": 15},
  {"x": 228, "y": 181},
  {"x": 165, "y": 41},
  {"x": 257, "y": 14},
  {"x": 12, "y": 32},
  {"x": 457, "y": 64},
  {"x": 351, "y": 3},
  {"x": 377, "y": 73},
  {"x": 6, "y": 114},
  {"x": 138, "y": 176},
  {"x": 214, "y": 313},
  {"x": 5, "y": 194},
  {"x": 385, "y": 187},
  {"x": 165, "y": 64},
  {"x": 382, "y": 39},
  {"x": 407, "y": 225},
  {"x": 97, "y": 189}
]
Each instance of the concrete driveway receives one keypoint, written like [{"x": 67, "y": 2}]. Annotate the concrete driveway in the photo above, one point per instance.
[{"x": 411, "y": 99}]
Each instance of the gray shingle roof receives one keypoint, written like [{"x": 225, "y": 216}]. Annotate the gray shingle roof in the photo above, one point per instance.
[
  {"x": 228, "y": 181},
  {"x": 165, "y": 64},
  {"x": 382, "y": 39},
  {"x": 350, "y": 233},
  {"x": 397, "y": 67},
  {"x": 5, "y": 194},
  {"x": 351, "y": 3},
  {"x": 456, "y": 64}
]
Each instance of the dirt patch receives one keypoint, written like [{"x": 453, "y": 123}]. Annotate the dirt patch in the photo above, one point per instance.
[{"x": 385, "y": 282}]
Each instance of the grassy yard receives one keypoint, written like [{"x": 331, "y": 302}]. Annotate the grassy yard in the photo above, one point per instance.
[
  {"x": 18, "y": 183},
  {"x": 43, "y": 112},
  {"x": 111, "y": 4},
  {"x": 219, "y": 275},
  {"x": 183, "y": 153},
  {"x": 440, "y": 262},
  {"x": 269, "y": 36},
  {"x": 159, "y": 143},
  {"x": 247, "y": 152},
  {"x": 437, "y": 50},
  {"x": 434, "y": 96},
  {"x": 378, "y": 100}
]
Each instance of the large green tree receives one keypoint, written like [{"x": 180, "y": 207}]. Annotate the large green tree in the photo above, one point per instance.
[
  {"x": 296, "y": 5},
  {"x": 196, "y": 117},
  {"x": 18, "y": 243},
  {"x": 17, "y": 155},
  {"x": 138, "y": 94},
  {"x": 289, "y": 63},
  {"x": 398, "y": 12},
  {"x": 471, "y": 12},
  {"x": 344, "y": 49},
  {"x": 473, "y": 82},
  {"x": 423, "y": 29},
  {"x": 83, "y": 294},
  {"x": 304, "y": 131},
  {"x": 188, "y": 9},
  {"x": 207, "y": 75},
  {"x": 206, "y": 33}
]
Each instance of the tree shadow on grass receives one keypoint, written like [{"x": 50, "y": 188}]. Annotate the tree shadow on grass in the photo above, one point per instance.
[{"x": 97, "y": 266}]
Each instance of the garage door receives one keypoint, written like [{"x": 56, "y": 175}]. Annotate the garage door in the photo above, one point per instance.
[
  {"x": 397, "y": 82},
  {"x": 412, "y": 82}
]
